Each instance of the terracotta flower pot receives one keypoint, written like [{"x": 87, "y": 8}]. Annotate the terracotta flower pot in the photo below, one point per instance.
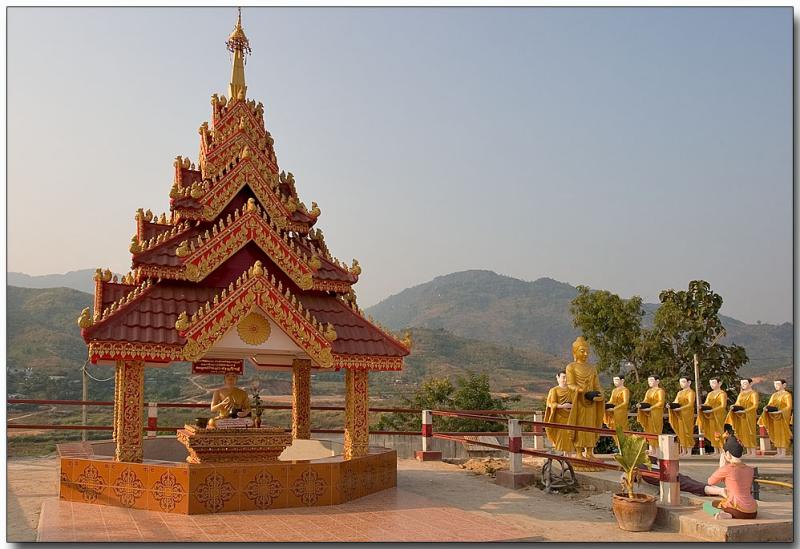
[{"x": 634, "y": 515}]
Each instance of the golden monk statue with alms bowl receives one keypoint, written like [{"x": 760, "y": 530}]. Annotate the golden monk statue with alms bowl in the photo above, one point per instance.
[{"x": 587, "y": 399}]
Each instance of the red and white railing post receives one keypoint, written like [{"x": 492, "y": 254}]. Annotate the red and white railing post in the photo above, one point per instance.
[
  {"x": 538, "y": 431},
  {"x": 426, "y": 454},
  {"x": 514, "y": 446},
  {"x": 515, "y": 477},
  {"x": 152, "y": 419},
  {"x": 669, "y": 492}
]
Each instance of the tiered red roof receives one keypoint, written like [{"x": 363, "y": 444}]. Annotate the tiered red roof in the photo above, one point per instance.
[{"x": 237, "y": 233}]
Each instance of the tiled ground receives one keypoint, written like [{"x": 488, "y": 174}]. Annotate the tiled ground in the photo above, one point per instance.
[{"x": 391, "y": 515}]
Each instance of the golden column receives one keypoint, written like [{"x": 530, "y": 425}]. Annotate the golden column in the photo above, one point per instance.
[
  {"x": 129, "y": 420},
  {"x": 301, "y": 399},
  {"x": 356, "y": 428},
  {"x": 117, "y": 399}
]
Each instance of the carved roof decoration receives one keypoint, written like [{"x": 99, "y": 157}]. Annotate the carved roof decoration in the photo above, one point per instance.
[
  {"x": 255, "y": 288},
  {"x": 205, "y": 201},
  {"x": 234, "y": 207},
  {"x": 191, "y": 254}
]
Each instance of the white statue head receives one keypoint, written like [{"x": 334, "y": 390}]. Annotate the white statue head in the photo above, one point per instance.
[
  {"x": 619, "y": 381},
  {"x": 561, "y": 378},
  {"x": 745, "y": 383},
  {"x": 652, "y": 381},
  {"x": 714, "y": 383},
  {"x": 780, "y": 384},
  {"x": 685, "y": 383}
]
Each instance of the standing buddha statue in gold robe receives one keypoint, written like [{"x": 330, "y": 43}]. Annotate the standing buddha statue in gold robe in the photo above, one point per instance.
[
  {"x": 559, "y": 404},
  {"x": 227, "y": 399},
  {"x": 681, "y": 416},
  {"x": 650, "y": 413},
  {"x": 711, "y": 420},
  {"x": 586, "y": 397},
  {"x": 742, "y": 416},
  {"x": 617, "y": 408},
  {"x": 777, "y": 416}
]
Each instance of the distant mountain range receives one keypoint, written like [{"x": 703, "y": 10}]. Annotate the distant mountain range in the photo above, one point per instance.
[
  {"x": 82, "y": 280},
  {"x": 483, "y": 305},
  {"x": 517, "y": 332}
]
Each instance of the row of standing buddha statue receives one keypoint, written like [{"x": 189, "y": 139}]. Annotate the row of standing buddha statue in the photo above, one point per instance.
[{"x": 578, "y": 400}]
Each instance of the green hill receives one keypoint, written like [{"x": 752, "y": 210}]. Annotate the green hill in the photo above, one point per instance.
[
  {"x": 510, "y": 370},
  {"x": 483, "y": 305}
]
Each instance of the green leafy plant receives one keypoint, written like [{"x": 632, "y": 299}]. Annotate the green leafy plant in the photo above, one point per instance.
[{"x": 632, "y": 454}]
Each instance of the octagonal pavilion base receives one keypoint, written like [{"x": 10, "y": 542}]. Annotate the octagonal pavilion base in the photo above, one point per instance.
[{"x": 189, "y": 488}]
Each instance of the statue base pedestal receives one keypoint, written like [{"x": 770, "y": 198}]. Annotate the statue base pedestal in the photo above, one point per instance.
[
  {"x": 587, "y": 468},
  {"x": 234, "y": 445}
]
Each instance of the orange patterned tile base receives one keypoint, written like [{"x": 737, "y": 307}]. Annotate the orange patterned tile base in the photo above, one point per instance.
[{"x": 203, "y": 489}]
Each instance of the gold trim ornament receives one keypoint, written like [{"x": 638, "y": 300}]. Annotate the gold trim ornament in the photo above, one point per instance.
[{"x": 253, "y": 329}]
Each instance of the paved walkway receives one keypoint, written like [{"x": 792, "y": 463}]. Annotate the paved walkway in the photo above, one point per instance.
[{"x": 433, "y": 502}]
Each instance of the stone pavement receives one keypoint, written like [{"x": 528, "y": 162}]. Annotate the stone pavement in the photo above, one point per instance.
[
  {"x": 433, "y": 502},
  {"x": 775, "y": 506}
]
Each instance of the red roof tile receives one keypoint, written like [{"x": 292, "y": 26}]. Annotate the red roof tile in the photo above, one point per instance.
[{"x": 151, "y": 319}]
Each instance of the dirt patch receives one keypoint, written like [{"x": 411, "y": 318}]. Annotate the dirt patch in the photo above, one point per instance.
[{"x": 485, "y": 466}]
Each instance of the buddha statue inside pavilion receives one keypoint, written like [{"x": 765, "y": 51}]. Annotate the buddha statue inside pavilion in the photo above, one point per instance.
[
  {"x": 586, "y": 397},
  {"x": 229, "y": 401}
]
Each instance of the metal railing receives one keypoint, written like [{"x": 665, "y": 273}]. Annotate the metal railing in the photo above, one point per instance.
[{"x": 153, "y": 427}]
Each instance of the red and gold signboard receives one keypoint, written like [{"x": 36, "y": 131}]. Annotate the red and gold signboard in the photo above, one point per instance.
[{"x": 218, "y": 366}]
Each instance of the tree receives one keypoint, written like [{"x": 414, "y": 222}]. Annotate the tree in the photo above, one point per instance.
[
  {"x": 612, "y": 326},
  {"x": 470, "y": 392},
  {"x": 687, "y": 323}
]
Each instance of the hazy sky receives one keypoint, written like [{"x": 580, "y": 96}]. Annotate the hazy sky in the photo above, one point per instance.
[{"x": 627, "y": 149}]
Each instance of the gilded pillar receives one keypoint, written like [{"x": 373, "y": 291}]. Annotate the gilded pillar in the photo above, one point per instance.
[
  {"x": 117, "y": 399},
  {"x": 129, "y": 423},
  {"x": 301, "y": 399},
  {"x": 356, "y": 429}
]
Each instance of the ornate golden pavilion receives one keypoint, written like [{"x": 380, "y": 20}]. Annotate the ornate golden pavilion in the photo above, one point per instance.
[{"x": 236, "y": 269}]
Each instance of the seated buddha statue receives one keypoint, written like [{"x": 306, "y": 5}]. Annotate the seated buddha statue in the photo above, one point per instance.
[{"x": 229, "y": 399}]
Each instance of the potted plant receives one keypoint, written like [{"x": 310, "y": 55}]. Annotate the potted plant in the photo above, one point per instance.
[{"x": 635, "y": 512}]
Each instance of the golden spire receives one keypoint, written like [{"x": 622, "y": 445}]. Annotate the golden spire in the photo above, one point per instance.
[{"x": 239, "y": 46}]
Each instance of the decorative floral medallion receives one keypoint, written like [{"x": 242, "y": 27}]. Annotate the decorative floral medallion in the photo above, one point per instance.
[
  {"x": 253, "y": 329},
  {"x": 263, "y": 490},
  {"x": 168, "y": 491},
  {"x": 369, "y": 477},
  {"x": 348, "y": 483},
  {"x": 214, "y": 492},
  {"x": 128, "y": 487},
  {"x": 90, "y": 484},
  {"x": 309, "y": 487}
]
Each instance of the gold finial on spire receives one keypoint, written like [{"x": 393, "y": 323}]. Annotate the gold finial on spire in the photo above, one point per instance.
[{"x": 239, "y": 46}]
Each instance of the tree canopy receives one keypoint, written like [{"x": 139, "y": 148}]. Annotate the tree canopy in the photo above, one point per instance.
[
  {"x": 686, "y": 323},
  {"x": 470, "y": 392}
]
